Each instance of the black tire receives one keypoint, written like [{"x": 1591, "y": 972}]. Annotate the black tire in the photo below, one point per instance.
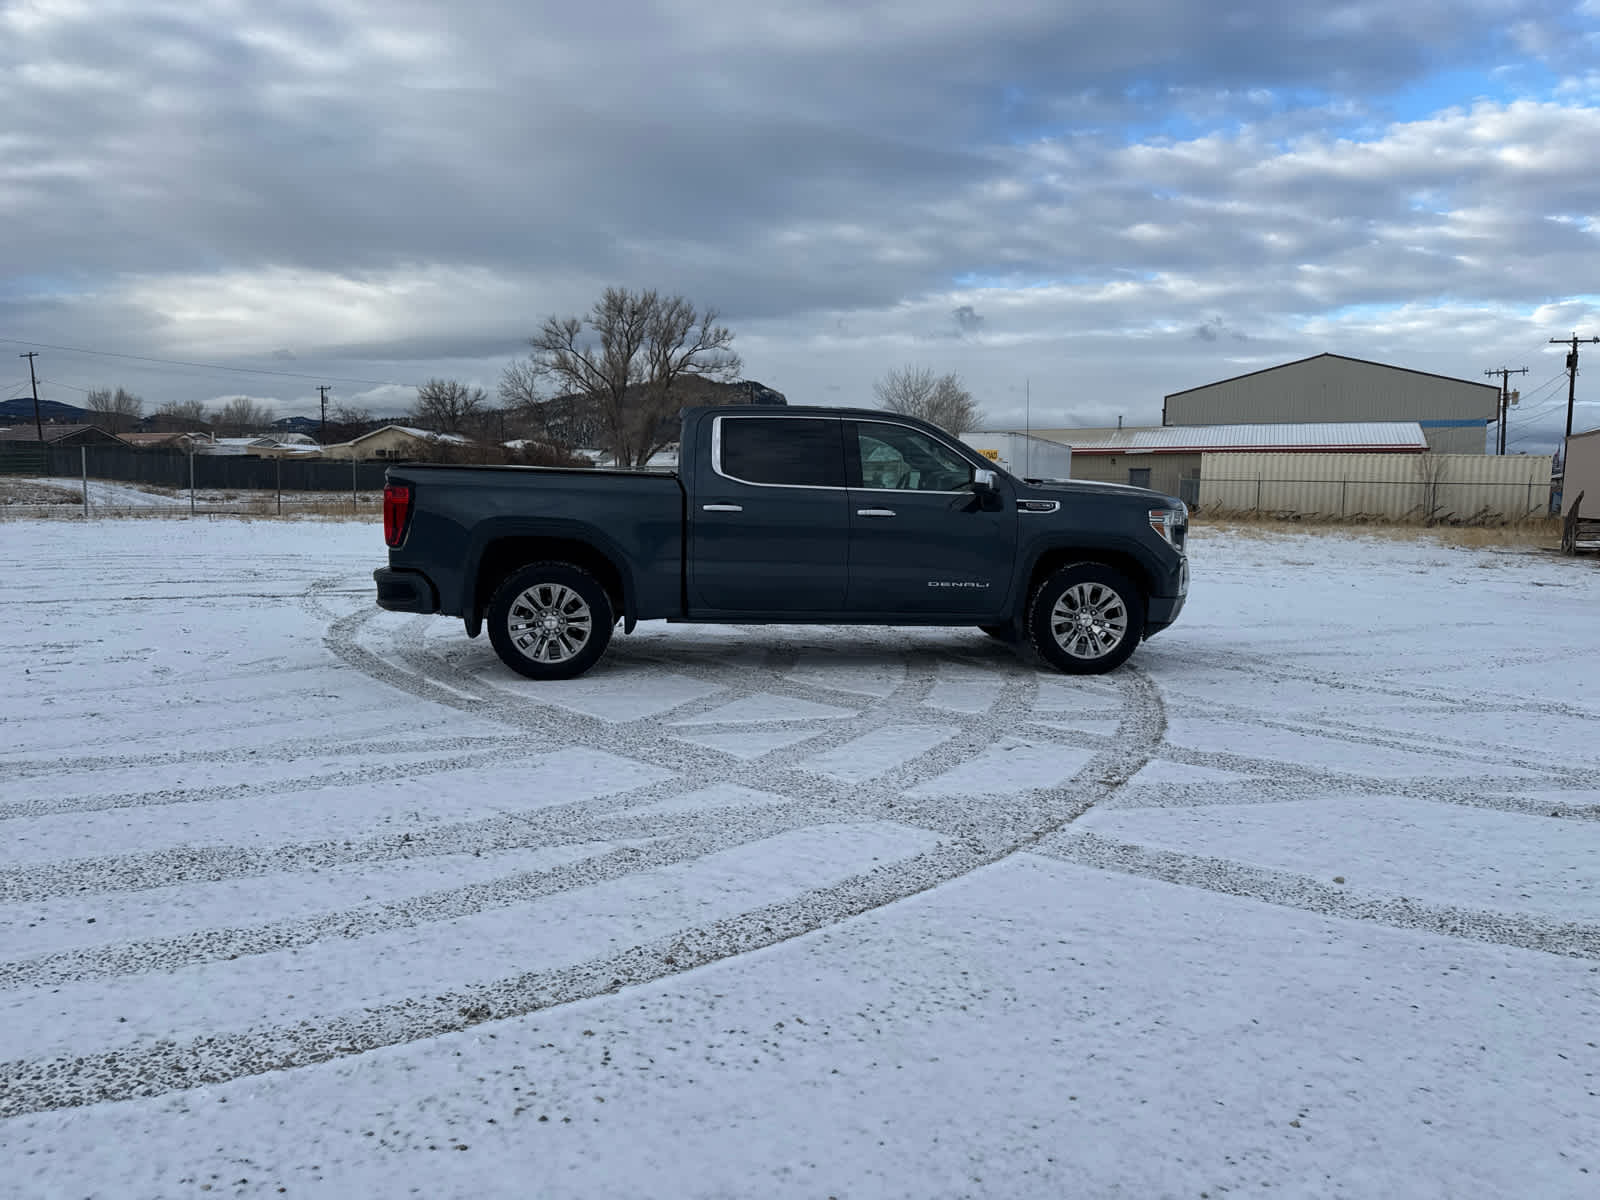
[
  {"x": 1086, "y": 619},
  {"x": 577, "y": 606}
]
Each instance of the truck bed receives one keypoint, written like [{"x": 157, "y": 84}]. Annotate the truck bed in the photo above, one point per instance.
[{"x": 468, "y": 508}]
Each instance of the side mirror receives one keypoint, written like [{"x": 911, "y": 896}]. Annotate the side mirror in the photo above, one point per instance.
[{"x": 983, "y": 481}]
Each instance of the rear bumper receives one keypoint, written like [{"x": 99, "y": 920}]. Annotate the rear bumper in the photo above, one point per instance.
[{"x": 403, "y": 590}]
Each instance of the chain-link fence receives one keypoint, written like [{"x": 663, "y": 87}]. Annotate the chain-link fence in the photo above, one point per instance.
[{"x": 108, "y": 479}]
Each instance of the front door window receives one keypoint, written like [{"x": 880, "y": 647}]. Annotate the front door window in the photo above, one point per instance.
[{"x": 894, "y": 457}]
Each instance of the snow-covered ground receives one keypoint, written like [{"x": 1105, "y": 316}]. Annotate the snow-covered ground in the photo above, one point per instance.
[{"x": 299, "y": 897}]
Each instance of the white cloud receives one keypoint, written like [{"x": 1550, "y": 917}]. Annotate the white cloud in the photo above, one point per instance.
[{"x": 398, "y": 190}]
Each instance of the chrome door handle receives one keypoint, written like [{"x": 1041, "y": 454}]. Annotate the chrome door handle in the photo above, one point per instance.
[
  {"x": 874, "y": 512},
  {"x": 723, "y": 507}
]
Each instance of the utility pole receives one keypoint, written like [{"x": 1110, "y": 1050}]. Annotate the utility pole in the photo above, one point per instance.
[
  {"x": 322, "y": 436},
  {"x": 34, "y": 379},
  {"x": 1572, "y": 379},
  {"x": 1505, "y": 401},
  {"x": 1027, "y": 424}
]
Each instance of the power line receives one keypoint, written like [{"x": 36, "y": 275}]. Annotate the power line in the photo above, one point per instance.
[
  {"x": 1529, "y": 413},
  {"x": 1548, "y": 383},
  {"x": 1532, "y": 434},
  {"x": 178, "y": 362},
  {"x": 74, "y": 387}
]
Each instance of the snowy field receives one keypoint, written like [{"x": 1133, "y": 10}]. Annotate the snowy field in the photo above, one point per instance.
[
  {"x": 302, "y": 898},
  {"x": 60, "y": 496}
]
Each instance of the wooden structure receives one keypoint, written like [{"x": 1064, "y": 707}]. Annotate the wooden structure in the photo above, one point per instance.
[{"x": 1579, "y": 532}]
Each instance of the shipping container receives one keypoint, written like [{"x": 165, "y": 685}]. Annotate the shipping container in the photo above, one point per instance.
[{"x": 1024, "y": 455}]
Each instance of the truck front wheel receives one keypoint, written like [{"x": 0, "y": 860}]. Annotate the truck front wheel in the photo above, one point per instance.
[
  {"x": 550, "y": 620},
  {"x": 1086, "y": 618}
]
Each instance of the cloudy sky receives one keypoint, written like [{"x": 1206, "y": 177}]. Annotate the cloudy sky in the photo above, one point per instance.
[{"x": 1089, "y": 204}]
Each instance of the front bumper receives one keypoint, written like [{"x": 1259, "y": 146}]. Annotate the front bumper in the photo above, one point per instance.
[
  {"x": 1161, "y": 611},
  {"x": 403, "y": 590}
]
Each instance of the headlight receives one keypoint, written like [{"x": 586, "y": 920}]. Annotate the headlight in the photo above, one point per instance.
[{"x": 1167, "y": 521}]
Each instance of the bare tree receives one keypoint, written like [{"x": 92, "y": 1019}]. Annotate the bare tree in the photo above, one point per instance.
[
  {"x": 114, "y": 411},
  {"x": 562, "y": 422},
  {"x": 938, "y": 399},
  {"x": 447, "y": 406},
  {"x": 625, "y": 371},
  {"x": 1431, "y": 473},
  {"x": 183, "y": 415},
  {"x": 348, "y": 421},
  {"x": 241, "y": 416}
]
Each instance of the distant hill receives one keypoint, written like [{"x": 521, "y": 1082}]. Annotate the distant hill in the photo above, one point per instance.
[
  {"x": 692, "y": 390},
  {"x": 53, "y": 412},
  {"x": 695, "y": 390}
]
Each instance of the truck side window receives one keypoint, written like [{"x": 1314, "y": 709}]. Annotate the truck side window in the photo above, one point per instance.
[
  {"x": 796, "y": 451},
  {"x": 893, "y": 456}
]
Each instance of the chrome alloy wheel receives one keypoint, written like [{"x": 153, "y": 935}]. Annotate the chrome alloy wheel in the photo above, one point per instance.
[
  {"x": 549, "y": 623},
  {"x": 1089, "y": 620}
]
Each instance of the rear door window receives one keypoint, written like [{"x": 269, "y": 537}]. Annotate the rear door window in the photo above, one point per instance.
[{"x": 781, "y": 451}]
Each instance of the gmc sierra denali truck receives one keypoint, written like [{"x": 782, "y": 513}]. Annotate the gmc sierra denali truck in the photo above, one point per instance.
[{"x": 815, "y": 515}]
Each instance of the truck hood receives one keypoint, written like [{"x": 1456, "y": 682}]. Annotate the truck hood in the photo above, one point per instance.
[{"x": 1091, "y": 487}]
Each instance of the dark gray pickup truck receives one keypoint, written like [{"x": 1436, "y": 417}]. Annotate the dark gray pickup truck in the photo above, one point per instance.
[{"x": 817, "y": 515}]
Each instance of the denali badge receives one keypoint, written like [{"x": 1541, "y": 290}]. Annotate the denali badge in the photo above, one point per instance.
[{"x": 954, "y": 583}]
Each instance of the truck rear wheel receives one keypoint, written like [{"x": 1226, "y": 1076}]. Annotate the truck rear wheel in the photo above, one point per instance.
[
  {"x": 1086, "y": 619},
  {"x": 550, "y": 620}
]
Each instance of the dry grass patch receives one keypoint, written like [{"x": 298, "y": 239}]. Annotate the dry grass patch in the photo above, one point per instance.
[
  {"x": 1541, "y": 533},
  {"x": 20, "y": 491}
]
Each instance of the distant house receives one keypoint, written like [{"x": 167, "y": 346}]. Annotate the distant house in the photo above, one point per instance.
[
  {"x": 61, "y": 435},
  {"x": 162, "y": 422},
  {"x": 399, "y": 442},
  {"x": 181, "y": 441},
  {"x": 236, "y": 446},
  {"x": 280, "y": 445}
]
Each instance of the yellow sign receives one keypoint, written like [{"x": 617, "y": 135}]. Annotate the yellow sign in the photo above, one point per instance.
[{"x": 991, "y": 455}]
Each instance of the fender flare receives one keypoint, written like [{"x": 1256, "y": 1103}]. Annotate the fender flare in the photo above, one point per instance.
[{"x": 495, "y": 529}]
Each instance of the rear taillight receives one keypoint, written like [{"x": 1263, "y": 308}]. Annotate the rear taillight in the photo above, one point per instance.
[{"x": 396, "y": 512}]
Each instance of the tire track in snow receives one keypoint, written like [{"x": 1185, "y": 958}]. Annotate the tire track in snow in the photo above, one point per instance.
[
  {"x": 349, "y": 777},
  {"x": 980, "y": 830},
  {"x": 293, "y": 751},
  {"x": 1288, "y": 889}
]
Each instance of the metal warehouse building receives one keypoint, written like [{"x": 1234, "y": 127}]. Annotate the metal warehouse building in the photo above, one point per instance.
[{"x": 1453, "y": 413}]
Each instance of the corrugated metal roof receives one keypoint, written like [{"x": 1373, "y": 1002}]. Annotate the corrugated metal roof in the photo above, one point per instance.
[
  {"x": 1366, "y": 362},
  {"x": 1190, "y": 439}
]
